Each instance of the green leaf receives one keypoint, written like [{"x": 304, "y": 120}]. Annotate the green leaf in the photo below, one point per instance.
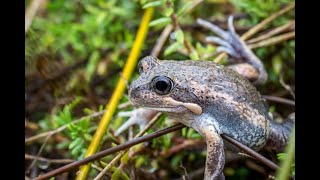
[
  {"x": 184, "y": 8},
  {"x": 194, "y": 55},
  {"x": 152, "y": 4},
  {"x": 140, "y": 161},
  {"x": 184, "y": 132},
  {"x": 168, "y": 11},
  {"x": 161, "y": 21},
  {"x": 277, "y": 64},
  {"x": 75, "y": 143},
  {"x": 172, "y": 48},
  {"x": 75, "y": 151},
  {"x": 87, "y": 137},
  {"x": 179, "y": 36},
  {"x": 92, "y": 64}
]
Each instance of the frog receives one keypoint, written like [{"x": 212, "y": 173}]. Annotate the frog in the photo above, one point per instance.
[{"x": 213, "y": 99}]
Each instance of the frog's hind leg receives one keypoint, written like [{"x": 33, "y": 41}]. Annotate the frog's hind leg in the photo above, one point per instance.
[
  {"x": 280, "y": 134},
  {"x": 215, "y": 151}
]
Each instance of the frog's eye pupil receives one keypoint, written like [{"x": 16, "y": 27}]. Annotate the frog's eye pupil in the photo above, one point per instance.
[{"x": 162, "y": 85}]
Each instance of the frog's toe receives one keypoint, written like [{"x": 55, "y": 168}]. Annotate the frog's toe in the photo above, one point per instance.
[
  {"x": 231, "y": 26},
  {"x": 217, "y": 40},
  {"x": 229, "y": 51},
  {"x": 137, "y": 117},
  {"x": 214, "y": 28}
]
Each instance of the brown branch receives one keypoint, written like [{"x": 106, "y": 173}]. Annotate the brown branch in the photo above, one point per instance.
[
  {"x": 109, "y": 151},
  {"x": 38, "y": 154},
  {"x": 259, "y": 26},
  {"x": 30, "y": 13},
  {"x": 279, "y": 99},
  {"x": 251, "y": 152},
  {"x": 290, "y": 25},
  {"x": 161, "y": 40},
  {"x": 286, "y": 86},
  {"x": 273, "y": 40},
  {"x": 50, "y": 161}
]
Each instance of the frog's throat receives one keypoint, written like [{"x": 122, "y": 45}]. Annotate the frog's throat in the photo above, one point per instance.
[{"x": 195, "y": 108}]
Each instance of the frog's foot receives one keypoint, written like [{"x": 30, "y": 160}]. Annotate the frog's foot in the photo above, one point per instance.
[
  {"x": 138, "y": 116},
  {"x": 280, "y": 134},
  {"x": 231, "y": 43},
  {"x": 215, "y": 150}
]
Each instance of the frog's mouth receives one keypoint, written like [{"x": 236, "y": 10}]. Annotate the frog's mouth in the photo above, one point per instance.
[
  {"x": 178, "y": 106},
  {"x": 175, "y": 109}
]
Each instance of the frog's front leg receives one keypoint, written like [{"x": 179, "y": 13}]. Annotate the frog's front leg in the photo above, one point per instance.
[
  {"x": 231, "y": 43},
  {"x": 215, "y": 159}
]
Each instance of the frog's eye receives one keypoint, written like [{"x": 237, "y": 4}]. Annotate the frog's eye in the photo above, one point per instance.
[{"x": 162, "y": 85}]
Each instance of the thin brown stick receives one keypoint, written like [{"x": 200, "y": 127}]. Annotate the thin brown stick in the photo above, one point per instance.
[
  {"x": 273, "y": 32},
  {"x": 122, "y": 153},
  {"x": 161, "y": 40},
  {"x": 38, "y": 154},
  {"x": 109, "y": 151},
  {"x": 279, "y": 100},
  {"x": 50, "y": 133},
  {"x": 263, "y": 23},
  {"x": 30, "y": 13},
  {"x": 286, "y": 86},
  {"x": 251, "y": 152},
  {"x": 273, "y": 40},
  {"x": 257, "y": 28},
  {"x": 50, "y": 161}
]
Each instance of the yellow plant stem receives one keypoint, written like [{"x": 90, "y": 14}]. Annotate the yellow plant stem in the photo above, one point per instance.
[{"x": 117, "y": 94}]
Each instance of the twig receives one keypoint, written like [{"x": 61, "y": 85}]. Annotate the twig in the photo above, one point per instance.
[
  {"x": 279, "y": 99},
  {"x": 38, "y": 154},
  {"x": 251, "y": 152},
  {"x": 30, "y": 13},
  {"x": 30, "y": 125},
  {"x": 50, "y": 133},
  {"x": 122, "y": 153},
  {"x": 257, "y": 28},
  {"x": 273, "y": 40},
  {"x": 287, "y": 87},
  {"x": 273, "y": 32},
  {"x": 124, "y": 105},
  {"x": 109, "y": 151},
  {"x": 50, "y": 161},
  {"x": 161, "y": 40}
]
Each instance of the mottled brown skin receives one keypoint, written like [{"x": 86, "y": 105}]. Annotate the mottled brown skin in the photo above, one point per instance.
[{"x": 229, "y": 103}]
